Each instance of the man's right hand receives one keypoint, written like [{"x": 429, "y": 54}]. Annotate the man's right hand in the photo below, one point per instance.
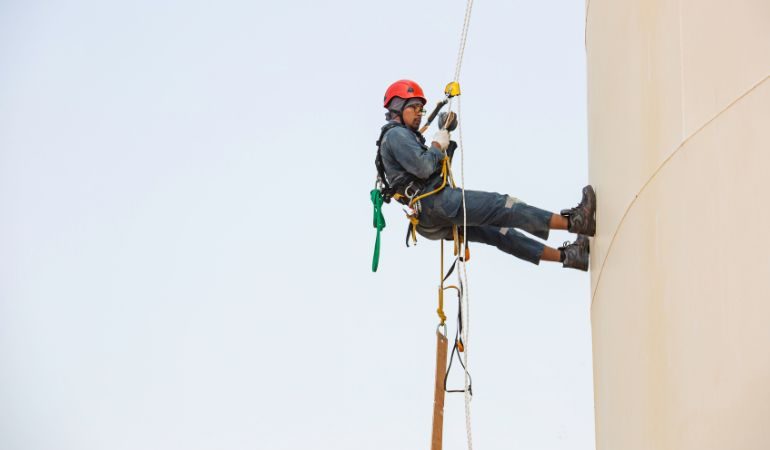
[{"x": 441, "y": 139}]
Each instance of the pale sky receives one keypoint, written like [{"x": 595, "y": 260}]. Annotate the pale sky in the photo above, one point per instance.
[{"x": 186, "y": 232}]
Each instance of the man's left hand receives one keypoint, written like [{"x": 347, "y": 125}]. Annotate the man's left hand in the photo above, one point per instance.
[{"x": 450, "y": 150}]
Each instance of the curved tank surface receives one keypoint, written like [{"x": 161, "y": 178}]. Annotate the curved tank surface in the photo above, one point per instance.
[{"x": 679, "y": 154}]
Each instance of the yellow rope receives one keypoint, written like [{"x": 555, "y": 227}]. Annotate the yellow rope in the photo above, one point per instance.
[
  {"x": 444, "y": 171},
  {"x": 440, "y": 310}
]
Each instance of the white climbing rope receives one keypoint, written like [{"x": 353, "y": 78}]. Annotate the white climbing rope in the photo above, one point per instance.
[
  {"x": 463, "y": 39},
  {"x": 462, "y": 272}
]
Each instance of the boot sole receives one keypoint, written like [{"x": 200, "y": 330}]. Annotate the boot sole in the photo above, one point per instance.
[{"x": 591, "y": 194}]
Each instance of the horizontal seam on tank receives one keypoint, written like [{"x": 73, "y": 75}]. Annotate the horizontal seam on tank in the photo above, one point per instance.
[{"x": 655, "y": 174}]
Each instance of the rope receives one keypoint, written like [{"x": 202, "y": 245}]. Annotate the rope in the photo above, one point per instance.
[
  {"x": 463, "y": 39},
  {"x": 462, "y": 273},
  {"x": 440, "y": 310}
]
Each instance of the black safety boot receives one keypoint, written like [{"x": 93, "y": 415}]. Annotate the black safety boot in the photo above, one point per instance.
[
  {"x": 575, "y": 255},
  {"x": 582, "y": 218}
]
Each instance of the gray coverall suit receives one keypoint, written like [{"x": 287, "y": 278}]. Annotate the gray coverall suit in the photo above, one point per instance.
[{"x": 491, "y": 217}]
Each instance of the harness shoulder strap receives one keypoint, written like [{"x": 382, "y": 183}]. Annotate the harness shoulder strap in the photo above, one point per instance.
[
  {"x": 389, "y": 126},
  {"x": 387, "y": 190}
]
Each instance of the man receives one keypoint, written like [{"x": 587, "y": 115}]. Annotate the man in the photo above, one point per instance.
[{"x": 406, "y": 166}]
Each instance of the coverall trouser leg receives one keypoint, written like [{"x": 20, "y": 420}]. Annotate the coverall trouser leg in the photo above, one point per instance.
[{"x": 491, "y": 219}]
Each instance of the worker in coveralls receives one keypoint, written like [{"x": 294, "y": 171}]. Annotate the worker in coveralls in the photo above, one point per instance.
[{"x": 410, "y": 168}]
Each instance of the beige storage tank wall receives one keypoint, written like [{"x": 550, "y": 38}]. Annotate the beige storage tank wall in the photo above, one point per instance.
[{"x": 679, "y": 154}]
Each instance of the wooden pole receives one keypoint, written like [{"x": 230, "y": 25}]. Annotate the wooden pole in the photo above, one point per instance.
[{"x": 442, "y": 343}]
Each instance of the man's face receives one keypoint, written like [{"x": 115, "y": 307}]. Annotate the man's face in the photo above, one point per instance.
[{"x": 412, "y": 115}]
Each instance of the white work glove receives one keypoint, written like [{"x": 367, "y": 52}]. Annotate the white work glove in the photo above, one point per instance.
[{"x": 442, "y": 139}]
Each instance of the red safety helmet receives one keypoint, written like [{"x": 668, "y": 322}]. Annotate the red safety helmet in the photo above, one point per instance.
[{"x": 405, "y": 89}]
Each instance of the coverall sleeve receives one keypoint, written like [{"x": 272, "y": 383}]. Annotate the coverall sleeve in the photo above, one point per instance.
[{"x": 412, "y": 156}]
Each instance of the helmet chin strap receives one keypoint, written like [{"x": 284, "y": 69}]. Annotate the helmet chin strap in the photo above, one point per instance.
[
  {"x": 403, "y": 122},
  {"x": 400, "y": 116},
  {"x": 401, "y": 119}
]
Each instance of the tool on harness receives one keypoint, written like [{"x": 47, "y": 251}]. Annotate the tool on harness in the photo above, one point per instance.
[{"x": 378, "y": 223}]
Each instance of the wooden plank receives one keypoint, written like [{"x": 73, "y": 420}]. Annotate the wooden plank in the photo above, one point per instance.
[{"x": 438, "y": 397}]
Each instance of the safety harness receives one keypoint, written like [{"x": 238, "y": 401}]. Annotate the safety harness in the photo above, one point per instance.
[{"x": 408, "y": 192}]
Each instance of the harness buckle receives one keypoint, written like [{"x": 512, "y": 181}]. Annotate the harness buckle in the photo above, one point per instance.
[
  {"x": 413, "y": 209},
  {"x": 411, "y": 186}
]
